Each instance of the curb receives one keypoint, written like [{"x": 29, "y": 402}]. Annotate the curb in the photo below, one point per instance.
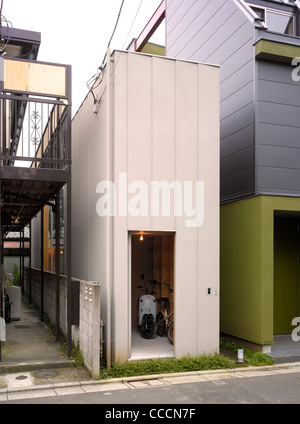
[
  {"x": 23, "y": 367},
  {"x": 127, "y": 380}
]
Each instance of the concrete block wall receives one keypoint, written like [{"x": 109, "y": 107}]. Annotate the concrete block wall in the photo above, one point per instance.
[{"x": 87, "y": 333}]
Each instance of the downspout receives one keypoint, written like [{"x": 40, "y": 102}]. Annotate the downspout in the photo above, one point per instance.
[
  {"x": 109, "y": 227},
  {"x": 2, "y": 304}
]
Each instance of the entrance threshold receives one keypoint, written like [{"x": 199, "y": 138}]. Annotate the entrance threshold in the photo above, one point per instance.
[
  {"x": 285, "y": 349},
  {"x": 157, "y": 348}
]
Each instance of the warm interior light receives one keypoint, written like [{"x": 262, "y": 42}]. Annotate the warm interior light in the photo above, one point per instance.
[{"x": 141, "y": 237}]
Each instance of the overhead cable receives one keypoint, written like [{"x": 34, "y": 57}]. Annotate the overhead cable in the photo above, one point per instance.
[
  {"x": 115, "y": 28},
  {"x": 5, "y": 32},
  {"x": 94, "y": 78}
]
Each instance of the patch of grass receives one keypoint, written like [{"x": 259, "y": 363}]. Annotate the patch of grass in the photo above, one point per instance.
[
  {"x": 251, "y": 357},
  {"x": 166, "y": 366},
  {"x": 187, "y": 363},
  {"x": 76, "y": 354}
]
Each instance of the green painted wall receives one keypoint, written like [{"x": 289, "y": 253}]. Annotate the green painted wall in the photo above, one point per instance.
[
  {"x": 247, "y": 274},
  {"x": 154, "y": 49},
  {"x": 277, "y": 51}
]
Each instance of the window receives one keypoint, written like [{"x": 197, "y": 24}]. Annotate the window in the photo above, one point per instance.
[
  {"x": 276, "y": 21},
  {"x": 279, "y": 22},
  {"x": 261, "y": 13}
]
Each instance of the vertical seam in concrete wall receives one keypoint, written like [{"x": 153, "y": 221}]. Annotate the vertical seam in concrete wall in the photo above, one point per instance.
[
  {"x": 109, "y": 241},
  {"x": 198, "y": 178},
  {"x": 129, "y": 282},
  {"x": 176, "y": 218},
  {"x": 259, "y": 199},
  {"x": 129, "y": 338},
  {"x": 152, "y": 123},
  {"x": 255, "y": 97}
]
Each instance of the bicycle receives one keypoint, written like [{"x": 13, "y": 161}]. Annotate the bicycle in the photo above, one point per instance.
[{"x": 164, "y": 321}]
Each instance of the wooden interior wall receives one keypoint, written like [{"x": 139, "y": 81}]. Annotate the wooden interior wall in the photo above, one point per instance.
[
  {"x": 163, "y": 268},
  {"x": 153, "y": 257}
]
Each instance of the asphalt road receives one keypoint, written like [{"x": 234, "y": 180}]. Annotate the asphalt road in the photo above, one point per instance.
[{"x": 167, "y": 401}]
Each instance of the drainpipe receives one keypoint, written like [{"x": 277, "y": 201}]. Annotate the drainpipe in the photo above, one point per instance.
[
  {"x": 109, "y": 227},
  {"x": 1, "y": 279}
]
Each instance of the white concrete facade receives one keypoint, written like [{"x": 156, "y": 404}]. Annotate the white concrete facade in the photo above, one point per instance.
[{"x": 157, "y": 120}]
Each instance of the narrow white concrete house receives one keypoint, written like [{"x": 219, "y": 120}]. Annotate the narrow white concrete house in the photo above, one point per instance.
[{"x": 145, "y": 162}]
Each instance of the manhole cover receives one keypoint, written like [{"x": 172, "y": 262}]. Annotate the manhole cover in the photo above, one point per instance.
[
  {"x": 45, "y": 373},
  {"x": 19, "y": 326},
  {"x": 21, "y": 377}
]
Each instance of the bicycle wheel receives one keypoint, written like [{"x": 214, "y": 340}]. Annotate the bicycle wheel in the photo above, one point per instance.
[
  {"x": 161, "y": 324},
  {"x": 171, "y": 332},
  {"x": 148, "y": 328}
]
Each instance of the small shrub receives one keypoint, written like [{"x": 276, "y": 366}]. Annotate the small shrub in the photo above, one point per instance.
[
  {"x": 16, "y": 275},
  {"x": 258, "y": 359},
  {"x": 251, "y": 357},
  {"x": 166, "y": 366}
]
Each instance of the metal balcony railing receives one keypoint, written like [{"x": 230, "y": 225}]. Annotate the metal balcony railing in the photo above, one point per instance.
[
  {"x": 35, "y": 120},
  {"x": 33, "y": 134}
]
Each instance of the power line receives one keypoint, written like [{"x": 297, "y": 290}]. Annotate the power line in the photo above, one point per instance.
[
  {"x": 133, "y": 22},
  {"x": 94, "y": 78},
  {"x": 5, "y": 32},
  {"x": 115, "y": 28}
]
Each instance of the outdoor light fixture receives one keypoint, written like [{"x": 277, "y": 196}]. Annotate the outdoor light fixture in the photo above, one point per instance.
[
  {"x": 240, "y": 356},
  {"x": 141, "y": 237}
]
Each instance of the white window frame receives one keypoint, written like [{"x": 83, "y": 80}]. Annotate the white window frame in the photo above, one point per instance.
[
  {"x": 258, "y": 7},
  {"x": 279, "y": 12}
]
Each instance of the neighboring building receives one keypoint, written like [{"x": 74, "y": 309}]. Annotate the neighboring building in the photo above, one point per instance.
[
  {"x": 150, "y": 120},
  {"x": 254, "y": 42},
  {"x": 16, "y": 251},
  {"x": 35, "y": 141}
]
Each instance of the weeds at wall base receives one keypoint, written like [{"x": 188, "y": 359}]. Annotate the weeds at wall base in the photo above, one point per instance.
[
  {"x": 76, "y": 355},
  {"x": 188, "y": 363},
  {"x": 226, "y": 360}
]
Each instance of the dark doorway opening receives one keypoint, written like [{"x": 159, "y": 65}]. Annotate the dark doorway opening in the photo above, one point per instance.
[
  {"x": 152, "y": 255},
  {"x": 286, "y": 271}
]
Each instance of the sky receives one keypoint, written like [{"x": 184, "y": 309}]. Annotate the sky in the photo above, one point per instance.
[{"x": 77, "y": 32}]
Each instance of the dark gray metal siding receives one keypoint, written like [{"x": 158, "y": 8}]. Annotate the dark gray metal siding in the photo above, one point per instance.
[
  {"x": 277, "y": 129},
  {"x": 218, "y": 32}
]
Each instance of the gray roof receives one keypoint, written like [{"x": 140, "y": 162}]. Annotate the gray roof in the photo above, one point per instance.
[{"x": 286, "y": 2}]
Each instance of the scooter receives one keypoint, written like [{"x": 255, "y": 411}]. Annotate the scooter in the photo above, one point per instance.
[{"x": 147, "y": 312}]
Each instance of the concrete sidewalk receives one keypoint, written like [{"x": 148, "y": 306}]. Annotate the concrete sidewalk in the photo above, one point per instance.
[
  {"x": 32, "y": 367},
  {"x": 26, "y": 386},
  {"x": 30, "y": 344},
  {"x": 32, "y": 358}
]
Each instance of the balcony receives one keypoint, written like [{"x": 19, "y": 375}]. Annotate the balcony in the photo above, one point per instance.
[
  {"x": 35, "y": 137},
  {"x": 35, "y": 153},
  {"x": 276, "y": 47}
]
